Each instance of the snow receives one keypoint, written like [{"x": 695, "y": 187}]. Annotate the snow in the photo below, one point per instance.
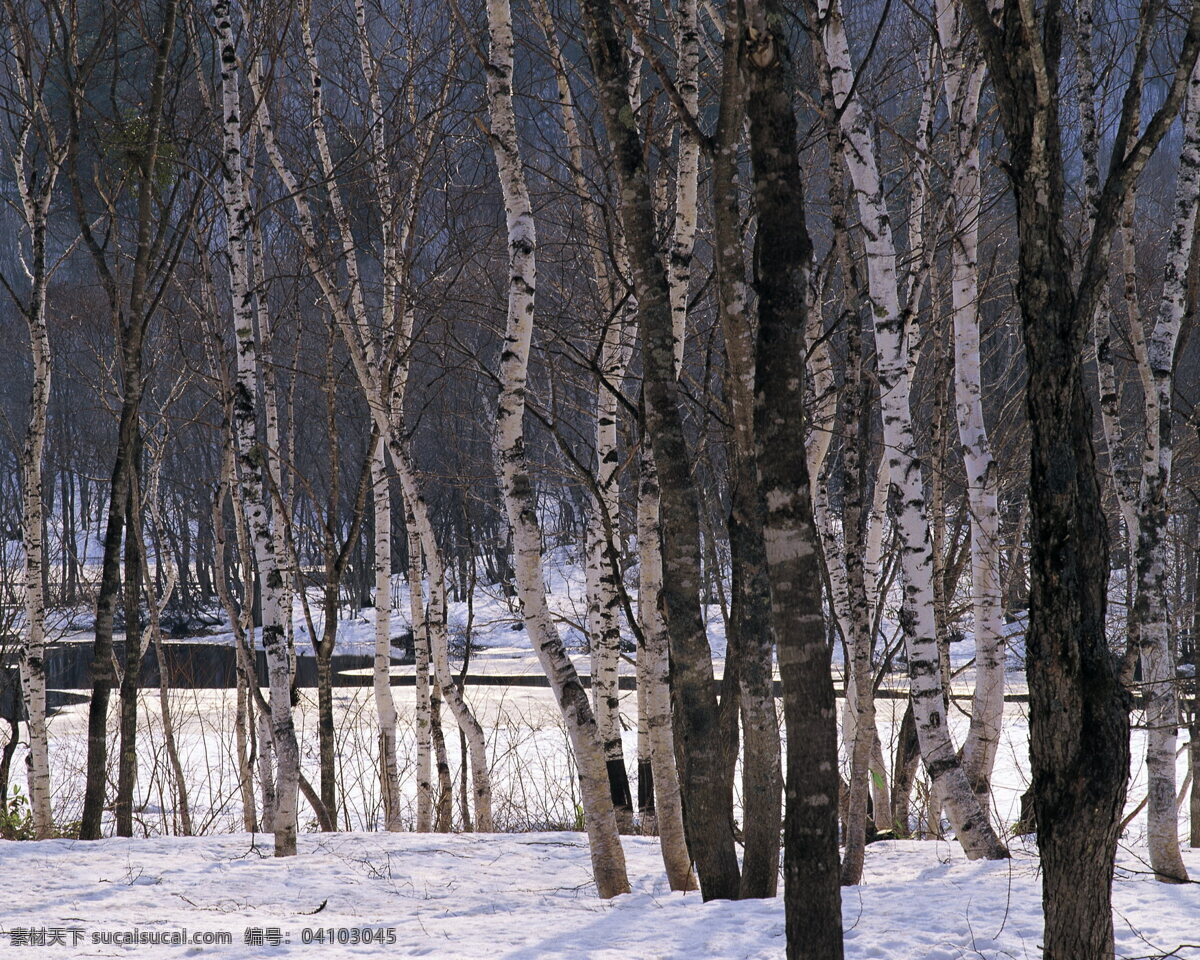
[
  {"x": 518, "y": 895},
  {"x": 525, "y": 896}
]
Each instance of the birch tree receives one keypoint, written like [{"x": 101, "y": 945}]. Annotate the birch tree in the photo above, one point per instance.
[
  {"x": 1153, "y": 553},
  {"x": 375, "y": 357},
  {"x": 938, "y": 751},
  {"x": 38, "y": 154},
  {"x": 608, "y": 859},
  {"x": 962, "y": 80},
  {"x": 251, "y": 458}
]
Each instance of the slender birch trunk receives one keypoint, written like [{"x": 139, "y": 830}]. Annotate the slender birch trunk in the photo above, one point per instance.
[
  {"x": 250, "y": 455},
  {"x": 654, "y": 676},
  {"x": 155, "y": 605},
  {"x": 381, "y": 678},
  {"x": 35, "y": 189},
  {"x": 244, "y": 718},
  {"x": 605, "y": 572},
  {"x": 608, "y": 859},
  {"x": 860, "y": 682},
  {"x": 687, "y": 172},
  {"x": 1153, "y": 558},
  {"x": 424, "y": 717},
  {"x": 970, "y": 823},
  {"x": 962, "y": 76}
]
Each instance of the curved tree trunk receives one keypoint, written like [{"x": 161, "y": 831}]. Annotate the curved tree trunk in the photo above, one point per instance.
[{"x": 608, "y": 859}]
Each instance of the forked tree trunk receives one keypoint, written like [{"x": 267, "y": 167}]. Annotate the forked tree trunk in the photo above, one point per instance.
[
  {"x": 1079, "y": 712},
  {"x": 131, "y": 316},
  {"x": 750, "y": 632},
  {"x": 608, "y": 859}
]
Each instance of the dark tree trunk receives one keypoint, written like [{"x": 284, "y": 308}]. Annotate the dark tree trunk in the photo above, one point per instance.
[
  {"x": 783, "y": 253},
  {"x": 752, "y": 641},
  {"x": 708, "y": 814},
  {"x": 908, "y": 755},
  {"x": 102, "y": 671},
  {"x": 1078, "y": 707}
]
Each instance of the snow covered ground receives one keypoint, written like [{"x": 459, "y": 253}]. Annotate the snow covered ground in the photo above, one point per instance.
[{"x": 519, "y": 897}]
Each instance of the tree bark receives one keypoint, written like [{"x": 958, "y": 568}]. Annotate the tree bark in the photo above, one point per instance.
[
  {"x": 782, "y": 261},
  {"x": 707, "y": 807},
  {"x": 1079, "y": 711},
  {"x": 608, "y": 859}
]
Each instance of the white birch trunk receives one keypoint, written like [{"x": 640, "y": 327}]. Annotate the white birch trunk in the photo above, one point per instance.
[
  {"x": 33, "y": 667},
  {"x": 381, "y": 675},
  {"x": 654, "y": 672},
  {"x": 424, "y": 715},
  {"x": 251, "y": 457},
  {"x": 687, "y": 173},
  {"x": 608, "y": 859},
  {"x": 962, "y": 74},
  {"x": 907, "y": 483},
  {"x": 605, "y": 574},
  {"x": 1153, "y": 551},
  {"x": 35, "y": 189}
]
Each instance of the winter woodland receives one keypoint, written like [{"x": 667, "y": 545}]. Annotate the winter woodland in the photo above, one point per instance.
[{"x": 600, "y": 478}]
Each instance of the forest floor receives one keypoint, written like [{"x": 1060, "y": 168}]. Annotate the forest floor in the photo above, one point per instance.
[{"x": 520, "y": 897}]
